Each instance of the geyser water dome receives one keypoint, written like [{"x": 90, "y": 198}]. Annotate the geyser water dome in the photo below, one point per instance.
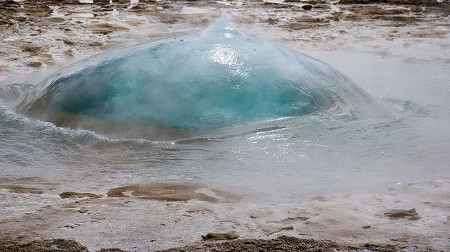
[{"x": 215, "y": 78}]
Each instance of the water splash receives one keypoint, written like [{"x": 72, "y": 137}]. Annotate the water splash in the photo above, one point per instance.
[{"x": 211, "y": 79}]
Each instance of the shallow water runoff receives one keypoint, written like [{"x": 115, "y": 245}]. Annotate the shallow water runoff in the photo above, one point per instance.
[{"x": 272, "y": 127}]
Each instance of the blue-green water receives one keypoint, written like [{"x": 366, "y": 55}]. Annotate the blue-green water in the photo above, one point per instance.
[{"x": 215, "y": 78}]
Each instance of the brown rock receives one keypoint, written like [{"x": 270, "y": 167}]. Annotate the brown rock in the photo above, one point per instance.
[
  {"x": 273, "y": 20},
  {"x": 68, "y": 42},
  {"x": 95, "y": 43},
  {"x": 402, "y": 214},
  {"x": 273, "y": 230},
  {"x": 21, "y": 189},
  {"x": 220, "y": 236},
  {"x": 43, "y": 245},
  {"x": 170, "y": 192},
  {"x": 47, "y": 58},
  {"x": 56, "y": 19},
  {"x": 30, "y": 47},
  {"x": 402, "y": 2},
  {"x": 106, "y": 28},
  {"x": 68, "y": 53},
  {"x": 34, "y": 64},
  {"x": 298, "y": 218},
  {"x": 66, "y": 195}
]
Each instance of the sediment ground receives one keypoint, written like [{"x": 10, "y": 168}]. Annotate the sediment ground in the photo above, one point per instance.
[{"x": 37, "y": 35}]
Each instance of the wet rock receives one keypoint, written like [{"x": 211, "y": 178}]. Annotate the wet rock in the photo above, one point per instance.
[
  {"x": 169, "y": 18},
  {"x": 398, "y": 2},
  {"x": 352, "y": 16},
  {"x": 288, "y": 243},
  {"x": 402, "y": 214},
  {"x": 21, "y": 189},
  {"x": 355, "y": 1},
  {"x": 111, "y": 250},
  {"x": 283, "y": 243},
  {"x": 277, "y": 5},
  {"x": 6, "y": 22},
  {"x": 379, "y": 12},
  {"x": 47, "y": 58},
  {"x": 316, "y": 2},
  {"x": 57, "y": 245},
  {"x": 309, "y": 19},
  {"x": 373, "y": 10},
  {"x": 306, "y": 22},
  {"x": 322, "y": 6},
  {"x": 273, "y": 21},
  {"x": 68, "y": 42},
  {"x": 74, "y": 195},
  {"x": 30, "y": 47},
  {"x": 106, "y": 28},
  {"x": 141, "y": 8},
  {"x": 171, "y": 192},
  {"x": 104, "y": 9},
  {"x": 399, "y": 18},
  {"x": 297, "y": 26},
  {"x": 274, "y": 230},
  {"x": 220, "y": 236},
  {"x": 56, "y": 19},
  {"x": 298, "y": 218},
  {"x": 68, "y": 53},
  {"x": 95, "y": 44},
  {"x": 34, "y": 64}
]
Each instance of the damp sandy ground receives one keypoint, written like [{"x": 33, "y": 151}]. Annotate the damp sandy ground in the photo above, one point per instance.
[
  {"x": 39, "y": 38},
  {"x": 157, "y": 216}
]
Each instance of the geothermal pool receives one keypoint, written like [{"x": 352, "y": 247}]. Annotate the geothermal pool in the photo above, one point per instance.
[
  {"x": 278, "y": 159},
  {"x": 212, "y": 79}
]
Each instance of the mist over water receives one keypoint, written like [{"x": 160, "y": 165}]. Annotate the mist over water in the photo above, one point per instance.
[{"x": 279, "y": 159}]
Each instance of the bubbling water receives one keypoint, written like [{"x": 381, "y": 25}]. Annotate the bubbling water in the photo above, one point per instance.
[{"x": 215, "y": 78}]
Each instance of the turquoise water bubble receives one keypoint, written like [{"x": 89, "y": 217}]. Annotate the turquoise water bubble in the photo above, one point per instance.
[{"x": 215, "y": 78}]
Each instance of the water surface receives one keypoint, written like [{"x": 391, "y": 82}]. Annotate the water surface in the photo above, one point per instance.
[{"x": 275, "y": 159}]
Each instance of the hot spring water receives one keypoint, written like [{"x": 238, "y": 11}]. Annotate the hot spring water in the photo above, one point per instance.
[
  {"x": 216, "y": 78},
  {"x": 229, "y": 110}
]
